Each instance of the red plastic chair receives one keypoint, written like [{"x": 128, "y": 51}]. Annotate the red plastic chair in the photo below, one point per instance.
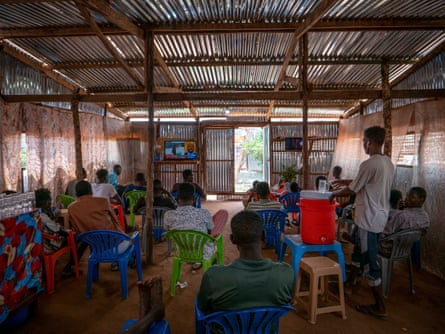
[
  {"x": 50, "y": 259},
  {"x": 120, "y": 214}
]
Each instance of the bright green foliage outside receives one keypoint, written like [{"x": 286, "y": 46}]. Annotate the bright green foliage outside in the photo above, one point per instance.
[{"x": 254, "y": 147}]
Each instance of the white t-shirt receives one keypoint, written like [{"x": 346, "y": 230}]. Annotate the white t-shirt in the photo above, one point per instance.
[
  {"x": 372, "y": 186},
  {"x": 105, "y": 190}
]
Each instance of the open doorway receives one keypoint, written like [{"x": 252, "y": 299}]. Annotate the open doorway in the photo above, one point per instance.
[{"x": 249, "y": 157}]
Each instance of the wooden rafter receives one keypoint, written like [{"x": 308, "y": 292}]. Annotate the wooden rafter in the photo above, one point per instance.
[
  {"x": 107, "y": 44},
  {"x": 46, "y": 70},
  {"x": 312, "y": 19}
]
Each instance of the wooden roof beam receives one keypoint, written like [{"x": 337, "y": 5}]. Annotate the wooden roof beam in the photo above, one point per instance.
[
  {"x": 289, "y": 95},
  {"x": 220, "y": 28}
]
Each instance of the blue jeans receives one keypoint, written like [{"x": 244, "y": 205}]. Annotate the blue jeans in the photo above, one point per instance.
[{"x": 365, "y": 252}]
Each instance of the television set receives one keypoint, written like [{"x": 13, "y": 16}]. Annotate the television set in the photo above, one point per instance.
[
  {"x": 180, "y": 150},
  {"x": 293, "y": 143}
]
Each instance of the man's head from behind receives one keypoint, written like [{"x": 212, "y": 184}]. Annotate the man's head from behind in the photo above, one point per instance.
[
  {"x": 262, "y": 189},
  {"x": 102, "y": 175},
  {"x": 247, "y": 228},
  {"x": 157, "y": 187},
  {"x": 83, "y": 188},
  {"x": 43, "y": 198},
  {"x": 373, "y": 139},
  {"x": 186, "y": 193},
  {"x": 415, "y": 198},
  {"x": 187, "y": 175}
]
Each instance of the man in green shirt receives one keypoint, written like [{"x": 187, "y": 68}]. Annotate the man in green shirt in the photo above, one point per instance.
[{"x": 249, "y": 281}]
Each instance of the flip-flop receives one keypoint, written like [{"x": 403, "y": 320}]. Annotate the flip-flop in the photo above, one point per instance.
[{"x": 371, "y": 310}]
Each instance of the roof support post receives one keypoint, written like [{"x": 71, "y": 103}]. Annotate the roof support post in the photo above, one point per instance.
[
  {"x": 151, "y": 142},
  {"x": 303, "y": 62},
  {"x": 386, "y": 97},
  {"x": 77, "y": 136}
]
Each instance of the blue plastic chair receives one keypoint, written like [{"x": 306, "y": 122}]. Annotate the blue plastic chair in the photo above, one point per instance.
[
  {"x": 257, "y": 320},
  {"x": 112, "y": 247},
  {"x": 156, "y": 327},
  {"x": 273, "y": 224},
  {"x": 290, "y": 204}
]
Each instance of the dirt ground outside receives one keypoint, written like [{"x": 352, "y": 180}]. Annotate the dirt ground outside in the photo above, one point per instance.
[{"x": 67, "y": 311}]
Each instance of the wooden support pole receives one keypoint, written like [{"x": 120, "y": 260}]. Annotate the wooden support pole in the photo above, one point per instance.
[
  {"x": 77, "y": 137},
  {"x": 304, "y": 85},
  {"x": 386, "y": 97},
  {"x": 151, "y": 142}
]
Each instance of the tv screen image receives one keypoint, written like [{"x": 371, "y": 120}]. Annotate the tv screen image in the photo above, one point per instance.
[
  {"x": 293, "y": 144},
  {"x": 179, "y": 150}
]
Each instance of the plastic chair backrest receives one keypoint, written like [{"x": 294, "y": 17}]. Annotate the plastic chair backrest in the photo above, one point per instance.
[
  {"x": 273, "y": 223},
  {"x": 219, "y": 221},
  {"x": 65, "y": 199},
  {"x": 290, "y": 202},
  {"x": 402, "y": 242},
  {"x": 189, "y": 244},
  {"x": 50, "y": 259},
  {"x": 257, "y": 320},
  {"x": 104, "y": 244},
  {"x": 133, "y": 197}
]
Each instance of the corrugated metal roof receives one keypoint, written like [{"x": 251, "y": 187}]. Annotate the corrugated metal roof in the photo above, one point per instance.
[{"x": 218, "y": 46}]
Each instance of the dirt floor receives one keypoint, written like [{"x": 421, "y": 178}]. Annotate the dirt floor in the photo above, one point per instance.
[{"x": 67, "y": 310}]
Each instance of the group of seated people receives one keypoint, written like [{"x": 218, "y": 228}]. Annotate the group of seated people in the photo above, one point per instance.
[{"x": 242, "y": 283}]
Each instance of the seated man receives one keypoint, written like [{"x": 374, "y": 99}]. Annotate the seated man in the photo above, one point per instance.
[
  {"x": 139, "y": 184},
  {"x": 413, "y": 217},
  {"x": 49, "y": 222},
  {"x": 71, "y": 186},
  {"x": 264, "y": 202},
  {"x": 187, "y": 217},
  {"x": 187, "y": 176},
  {"x": 161, "y": 197},
  {"x": 249, "y": 281},
  {"x": 90, "y": 213}
]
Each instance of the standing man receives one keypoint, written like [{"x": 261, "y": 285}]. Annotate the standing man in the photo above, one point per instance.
[
  {"x": 372, "y": 187},
  {"x": 113, "y": 178}
]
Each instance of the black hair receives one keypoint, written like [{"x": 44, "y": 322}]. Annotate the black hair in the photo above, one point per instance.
[
  {"x": 246, "y": 227},
  {"x": 420, "y": 192},
  {"x": 186, "y": 173},
  {"x": 375, "y": 134},
  {"x": 102, "y": 174},
  {"x": 294, "y": 187},
  {"x": 336, "y": 171},
  {"x": 262, "y": 189},
  {"x": 186, "y": 192},
  {"x": 139, "y": 177},
  {"x": 43, "y": 195},
  {"x": 395, "y": 197},
  {"x": 83, "y": 188}
]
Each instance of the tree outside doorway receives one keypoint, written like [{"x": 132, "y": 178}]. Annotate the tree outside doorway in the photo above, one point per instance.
[{"x": 249, "y": 156}]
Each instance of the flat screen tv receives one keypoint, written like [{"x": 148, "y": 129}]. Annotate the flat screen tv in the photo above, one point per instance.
[
  {"x": 293, "y": 143},
  {"x": 180, "y": 150}
]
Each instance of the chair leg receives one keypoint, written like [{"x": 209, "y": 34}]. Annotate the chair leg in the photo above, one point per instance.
[
  {"x": 49, "y": 271},
  {"x": 91, "y": 268},
  {"x": 385, "y": 276},
  {"x": 411, "y": 278},
  {"x": 176, "y": 275},
  {"x": 220, "y": 251},
  {"x": 123, "y": 270}
]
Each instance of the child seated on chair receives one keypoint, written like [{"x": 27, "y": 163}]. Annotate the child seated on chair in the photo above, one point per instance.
[
  {"x": 49, "y": 222},
  {"x": 413, "y": 217}
]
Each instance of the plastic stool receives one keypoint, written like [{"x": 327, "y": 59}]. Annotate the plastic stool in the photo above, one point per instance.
[{"x": 319, "y": 268}]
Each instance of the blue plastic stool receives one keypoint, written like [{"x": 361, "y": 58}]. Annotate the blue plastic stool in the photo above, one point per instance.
[{"x": 298, "y": 248}]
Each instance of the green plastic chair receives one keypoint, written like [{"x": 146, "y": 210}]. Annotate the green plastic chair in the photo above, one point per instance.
[
  {"x": 133, "y": 197},
  {"x": 65, "y": 199},
  {"x": 189, "y": 247}
]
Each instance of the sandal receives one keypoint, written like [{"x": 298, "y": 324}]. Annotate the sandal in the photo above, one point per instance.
[{"x": 372, "y": 310}]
